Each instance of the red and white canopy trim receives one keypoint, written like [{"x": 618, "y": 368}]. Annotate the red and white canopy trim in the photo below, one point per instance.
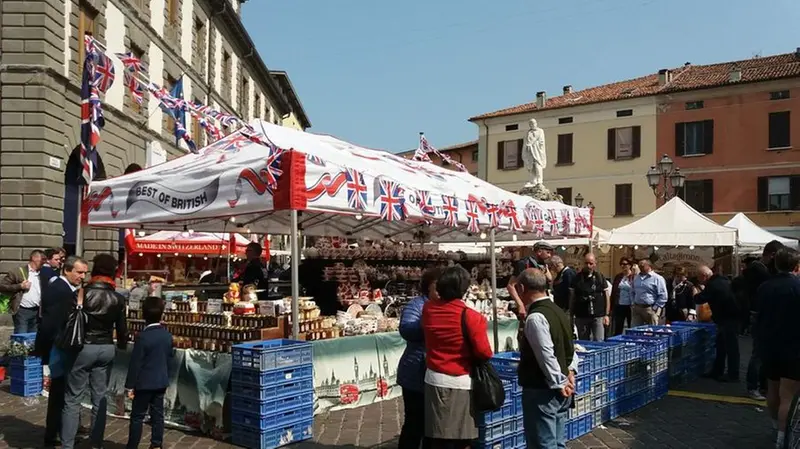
[
  {"x": 251, "y": 181},
  {"x": 198, "y": 243}
]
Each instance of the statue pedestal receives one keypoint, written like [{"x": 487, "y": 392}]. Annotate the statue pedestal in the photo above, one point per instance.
[{"x": 540, "y": 192}]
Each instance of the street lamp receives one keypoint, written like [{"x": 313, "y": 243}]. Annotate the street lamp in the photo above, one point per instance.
[
  {"x": 579, "y": 200},
  {"x": 667, "y": 176}
]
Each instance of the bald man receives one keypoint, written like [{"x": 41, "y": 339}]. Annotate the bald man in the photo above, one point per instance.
[
  {"x": 718, "y": 294},
  {"x": 590, "y": 301}
]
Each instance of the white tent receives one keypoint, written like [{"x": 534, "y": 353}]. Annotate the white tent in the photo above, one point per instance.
[
  {"x": 599, "y": 237},
  {"x": 752, "y": 237},
  {"x": 674, "y": 223}
]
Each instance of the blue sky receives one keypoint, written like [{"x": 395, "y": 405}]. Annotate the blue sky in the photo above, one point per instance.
[{"x": 377, "y": 72}]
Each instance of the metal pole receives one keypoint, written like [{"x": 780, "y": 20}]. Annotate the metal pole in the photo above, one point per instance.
[
  {"x": 229, "y": 274},
  {"x": 125, "y": 269},
  {"x": 295, "y": 243},
  {"x": 493, "y": 258},
  {"x": 79, "y": 226}
]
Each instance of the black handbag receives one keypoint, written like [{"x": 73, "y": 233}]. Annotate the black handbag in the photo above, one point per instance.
[
  {"x": 488, "y": 394},
  {"x": 73, "y": 336}
]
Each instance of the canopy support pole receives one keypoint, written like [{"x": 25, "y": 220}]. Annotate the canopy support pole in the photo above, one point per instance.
[
  {"x": 295, "y": 267},
  {"x": 125, "y": 269},
  {"x": 79, "y": 224},
  {"x": 493, "y": 258}
]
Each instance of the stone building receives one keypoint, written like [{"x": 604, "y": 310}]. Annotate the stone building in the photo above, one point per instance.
[{"x": 202, "y": 41}]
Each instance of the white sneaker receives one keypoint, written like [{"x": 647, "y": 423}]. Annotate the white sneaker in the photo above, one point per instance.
[{"x": 756, "y": 395}]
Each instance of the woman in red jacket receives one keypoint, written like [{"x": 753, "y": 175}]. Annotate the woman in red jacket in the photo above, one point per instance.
[{"x": 456, "y": 339}]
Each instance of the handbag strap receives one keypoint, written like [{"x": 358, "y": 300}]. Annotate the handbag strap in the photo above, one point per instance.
[{"x": 464, "y": 333}]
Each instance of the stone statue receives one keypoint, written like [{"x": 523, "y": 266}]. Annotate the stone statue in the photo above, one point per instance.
[{"x": 534, "y": 155}]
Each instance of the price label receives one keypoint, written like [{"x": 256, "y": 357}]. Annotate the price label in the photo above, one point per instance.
[
  {"x": 214, "y": 305},
  {"x": 266, "y": 308},
  {"x": 134, "y": 303}
]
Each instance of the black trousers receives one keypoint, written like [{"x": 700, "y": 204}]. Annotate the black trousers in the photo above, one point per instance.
[
  {"x": 55, "y": 405},
  {"x": 727, "y": 349},
  {"x": 144, "y": 400},
  {"x": 413, "y": 431},
  {"x": 622, "y": 314}
]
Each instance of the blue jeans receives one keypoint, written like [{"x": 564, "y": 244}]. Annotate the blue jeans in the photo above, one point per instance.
[
  {"x": 544, "y": 415},
  {"x": 756, "y": 377},
  {"x": 26, "y": 321}
]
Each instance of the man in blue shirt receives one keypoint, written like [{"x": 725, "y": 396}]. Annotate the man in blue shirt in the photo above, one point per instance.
[{"x": 649, "y": 296}]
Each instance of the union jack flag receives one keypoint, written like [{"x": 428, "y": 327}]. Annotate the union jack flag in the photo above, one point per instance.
[
  {"x": 553, "y": 222},
  {"x": 131, "y": 63},
  {"x": 425, "y": 204},
  {"x": 421, "y": 156},
  {"x": 103, "y": 73},
  {"x": 134, "y": 86},
  {"x": 473, "y": 225},
  {"x": 393, "y": 202},
  {"x": 356, "y": 190},
  {"x": 316, "y": 160},
  {"x": 230, "y": 144},
  {"x": 450, "y": 208},
  {"x": 182, "y": 133},
  {"x": 494, "y": 215},
  {"x": 509, "y": 210},
  {"x": 273, "y": 170},
  {"x": 92, "y": 120},
  {"x": 213, "y": 132}
]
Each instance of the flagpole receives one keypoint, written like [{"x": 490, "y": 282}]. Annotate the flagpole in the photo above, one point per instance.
[{"x": 79, "y": 227}]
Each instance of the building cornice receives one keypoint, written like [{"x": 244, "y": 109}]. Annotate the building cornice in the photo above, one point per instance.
[{"x": 283, "y": 80}]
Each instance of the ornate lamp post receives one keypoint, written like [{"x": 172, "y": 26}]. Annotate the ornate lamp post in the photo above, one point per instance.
[
  {"x": 665, "y": 179},
  {"x": 579, "y": 200}
]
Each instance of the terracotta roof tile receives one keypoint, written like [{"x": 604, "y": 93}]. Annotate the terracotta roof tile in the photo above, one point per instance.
[{"x": 688, "y": 77}]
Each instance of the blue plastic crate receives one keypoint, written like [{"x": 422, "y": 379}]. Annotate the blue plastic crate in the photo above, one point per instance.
[
  {"x": 506, "y": 442},
  {"x": 583, "y": 383},
  {"x": 26, "y": 339},
  {"x": 494, "y": 431},
  {"x": 272, "y": 377},
  {"x": 270, "y": 421},
  {"x": 503, "y": 413},
  {"x": 26, "y": 373},
  {"x": 257, "y": 406},
  {"x": 25, "y": 362},
  {"x": 271, "y": 354},
  {"x": 506, "y": 364},
  {"x": 678, "y": 335},
  {"x": 649, "y": 347},
  {"x": 272, "y": 391},
  {"x": 272, "y": 438},
  {"x": 26, "y": 388}
]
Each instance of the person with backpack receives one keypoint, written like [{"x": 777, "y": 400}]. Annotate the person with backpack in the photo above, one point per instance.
[{"x": 590, "y": 301}]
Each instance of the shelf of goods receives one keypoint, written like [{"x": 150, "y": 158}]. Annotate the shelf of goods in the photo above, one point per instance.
[
  {"x": 614, "y": 378},
  {"x": 272, "y": 388},
  {"x": 26, "y": 372}
]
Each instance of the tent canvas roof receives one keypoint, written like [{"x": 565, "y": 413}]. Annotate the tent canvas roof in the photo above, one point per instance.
[
  {"x": 674, "y": 223},
  {"x": 753, "y": 236}
]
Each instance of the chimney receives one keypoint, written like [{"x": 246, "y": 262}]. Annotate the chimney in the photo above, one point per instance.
[
  {"x": 664, "y": 76},
  {"x": 736, "y": 75},
  {"x": 797, "y": 53},
  {"x": 541, "y": 99},
  {"x": 568, "y": 89}
]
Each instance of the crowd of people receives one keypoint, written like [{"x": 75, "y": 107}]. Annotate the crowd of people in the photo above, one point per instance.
[
  {"x": 45, "y": 294},
  {"x": 557, "y": 304}
]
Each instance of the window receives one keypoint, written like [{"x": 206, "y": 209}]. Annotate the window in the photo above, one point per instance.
[
  {"x": 694, "y": 138},
  {"x": 566, "y": 195},
  {"x": 226, "y": 75},
  {"x": 257, "y": 106},
  {"x": 779, "y": 134},
  {"x": 512, "y": 127},
  {"x": 623, "y": 199},
  {"x": 169, "y": 120},
  {"x": 624, "y": 143},
  {"x": 699, "y": 194},
  {"x": 244, "y": 98},
  {"x": 564, "y": 149},
  {"x": 779, "y": 193},
  {"x": 509, "y": 154},
  {"x": 172, "y": 12},
  {"x": 780, "y": 95},
  {"x": 564, "y": 120},
  {"x": 199, "y": 44},
  {"x": 690, "y": 105},
  {"x": 475, "y": 156},
  {"x": 85, "y": 25},
  {"x": 625, "y": 113},
  {"x": 197, "y": 130},
  {"x": 138, "y": 53}
]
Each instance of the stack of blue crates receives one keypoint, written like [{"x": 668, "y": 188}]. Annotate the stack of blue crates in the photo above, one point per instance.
[
  {"x": 703, "y": 344},
  {"x": 503, "y": 429},
  {"x": 681, "y": 349},
  {"x": 653, "y": 369},
  {"x": 26, "y": 372},
  {"x": 272, "y": 386}
]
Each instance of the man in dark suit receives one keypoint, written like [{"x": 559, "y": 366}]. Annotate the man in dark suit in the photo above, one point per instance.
[
  {"x": 57, "y": 301},
  {"x": 148, "y": 374},
  {"x": 716, "y": 291},
  {"x": 54, "y": 258}
]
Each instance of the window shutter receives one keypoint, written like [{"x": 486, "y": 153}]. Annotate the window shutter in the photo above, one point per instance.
[
  {"x": 519, "y": 153},
  {"x": 637, "y": 141},
  {"x": 794, "y": 193},
  {"x": 763, "y": 193},
  {"x": 617, "y": 199},
  {"x": 612, "y": 144},
  {"x": 680, "y": 140},
  {"x": 500, "y": 155},
  {"x": 569, "y": 148},
  {"x": 708, "y": 196},
  {"x": 708, "y": 136}
]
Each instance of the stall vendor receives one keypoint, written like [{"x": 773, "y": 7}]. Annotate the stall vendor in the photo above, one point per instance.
[{"x": 255, "y": 273}]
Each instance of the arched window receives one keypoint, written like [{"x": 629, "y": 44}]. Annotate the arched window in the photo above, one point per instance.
[{"x": 73, "y": 186}]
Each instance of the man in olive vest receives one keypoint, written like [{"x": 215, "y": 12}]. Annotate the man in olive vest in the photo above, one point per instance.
[{"x": 548, "y": 364}]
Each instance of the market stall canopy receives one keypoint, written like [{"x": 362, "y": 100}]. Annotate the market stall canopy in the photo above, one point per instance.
[
  {"x": 206, "y": 243},
  {"x": 251, "y": 179},
  {"x": 599, "y": 237},
  {"x": 753, "y": 237},
  {"x": 674, "y": 223}
]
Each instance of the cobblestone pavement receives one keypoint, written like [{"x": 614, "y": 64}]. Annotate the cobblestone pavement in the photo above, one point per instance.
[{"x": 673, "y": 422}]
